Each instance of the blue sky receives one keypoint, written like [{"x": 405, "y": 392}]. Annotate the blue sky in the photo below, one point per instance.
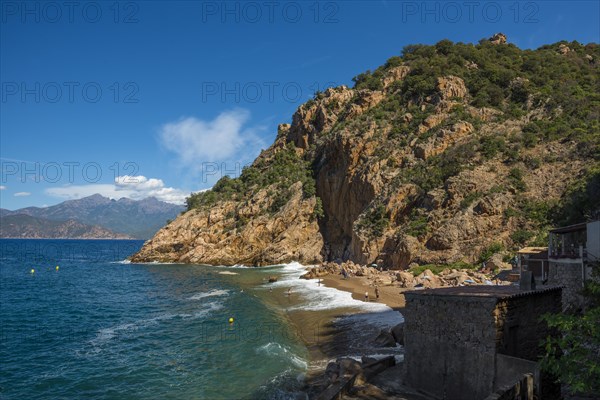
[{"x": 142, "y": 98}]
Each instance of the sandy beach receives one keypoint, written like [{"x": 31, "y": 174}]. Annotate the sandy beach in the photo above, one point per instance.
[{"x": 389, "y": 295}]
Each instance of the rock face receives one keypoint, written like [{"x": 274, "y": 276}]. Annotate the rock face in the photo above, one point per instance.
[
  {"x": 407, "y": 167},
  {"x": 292, "y": 234},
  {"x": 498, "y": 38}
]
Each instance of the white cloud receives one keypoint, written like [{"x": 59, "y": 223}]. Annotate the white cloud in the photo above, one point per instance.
[
  {"x": 2, "y": 187},
  {"x": 22, "y": 194},
  {"x": 139, "y": 182},
  {"x": 133, "y": 187},
  {"x": 224, "y": 139}
]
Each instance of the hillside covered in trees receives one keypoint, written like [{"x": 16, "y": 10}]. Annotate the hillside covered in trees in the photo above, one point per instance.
[{"x": 447, "y": 153}]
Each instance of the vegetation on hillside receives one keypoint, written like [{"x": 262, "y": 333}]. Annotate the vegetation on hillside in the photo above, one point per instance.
[
  {"x": 276, "y": 174},
  {"x": 564, "y": 87},
  {"x": 553, "y": 97}
]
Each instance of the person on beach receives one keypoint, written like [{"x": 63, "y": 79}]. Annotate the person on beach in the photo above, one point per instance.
[
  {"x": 367, "y": 296},
  {"x": 344, "y": 273},
  {"x": 377, "y": 293},
  {"x": 289, "y": 291}
]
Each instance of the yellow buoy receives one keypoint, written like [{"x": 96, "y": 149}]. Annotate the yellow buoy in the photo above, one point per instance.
[
  {"x": 32, "y": 270},
  {"x": 57, "y": 267},
  {"x": 231, "y": 320}
]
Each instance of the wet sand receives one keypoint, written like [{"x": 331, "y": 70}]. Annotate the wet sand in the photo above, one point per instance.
[{"x": 323, "y": 338}]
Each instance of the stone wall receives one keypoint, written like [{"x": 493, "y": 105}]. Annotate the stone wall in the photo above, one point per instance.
[
  {"x": 450, "y": 345},
  {"x": 452, "y": 341},
  {"x": 567, "y": 275},
  {"x": 519, "y": 328}
]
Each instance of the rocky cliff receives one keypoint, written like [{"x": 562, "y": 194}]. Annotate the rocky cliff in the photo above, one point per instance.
[{"x": 438, "y": 156}]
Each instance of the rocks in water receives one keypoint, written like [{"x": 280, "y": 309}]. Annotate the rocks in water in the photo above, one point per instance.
[
  {"x": 345, "y": 368},
  {"x": 367, "y": 360},
  {"x": 398, "y": 333},
  {"x": 349, "y": 366},
  {"x": 332, "y": 372},
  {"x": 385, "y": 339}
]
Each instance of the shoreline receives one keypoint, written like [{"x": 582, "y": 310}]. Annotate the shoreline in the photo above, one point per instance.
[
  {"x": 331, "y": 333},
  {"x": 342, "y": 331},
  {"x": 390, "y": 295}
]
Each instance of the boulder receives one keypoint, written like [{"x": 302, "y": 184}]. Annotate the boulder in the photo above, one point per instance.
[
  {"x": 398, "y": 333},
  {"x": 367, "y": 360},
  {"x": 564, "y": 49},
  {"x": 405, "y": 279},
  {"x": 383, "y": 280},
  {"x": 495, "y": 262},
  {"x": 349, "y": 366},
  {"x": 332, "y": 371},
  {"x": 451, "y": 87},
  {"x": 498, "y": 38},
  {"x": 385, "y": 339}
]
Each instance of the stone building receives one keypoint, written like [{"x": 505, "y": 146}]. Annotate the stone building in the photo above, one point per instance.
[
  {"x": 534, "y": 259},
  {"x": 467, "y": 342},
  {"x": 571, "y": 251}
]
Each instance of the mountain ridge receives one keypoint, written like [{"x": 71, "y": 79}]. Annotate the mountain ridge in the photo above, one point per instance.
[
  {"x": 23, "y": 226},
  {"x": 132, "y": 218}
]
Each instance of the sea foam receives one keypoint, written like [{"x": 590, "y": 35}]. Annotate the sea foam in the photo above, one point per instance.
[
  {"x": 212, "y": 293},
  {"x": 319, "y": 297},
  {"x": 274, "y": 349}
]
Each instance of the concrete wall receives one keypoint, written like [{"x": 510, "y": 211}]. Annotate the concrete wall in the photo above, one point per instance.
[
  {"x": 450, "y": 345},
  {"x": 567, "y": 274},
  {"x": 510, "y": 369},
  {"x": 593, "y": 240},
  {"x": 522, "y": 390}
]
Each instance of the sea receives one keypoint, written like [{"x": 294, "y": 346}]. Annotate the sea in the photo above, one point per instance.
[{"x": 79, "y": 321}]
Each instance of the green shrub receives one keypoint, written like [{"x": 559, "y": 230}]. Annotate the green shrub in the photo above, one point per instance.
[
  {"x": 510, "y": 212},
  {"x": 469, "y": 199},
  {"x": 375, "y": 220},
  {"x": 438, "y": 268},
  {"x": 241, "y": 221},
  {"x": 515, "y": 176},
  {"x": 417, "y": 224},
  {"x": 283, "y": 170},
  {"x": 490, "y": 146},
  {"x": 490, "y": 251},
  {"x": 318, "y": 210},
  {"x": 521, "y": 236},
  {"x": 281, "y": 199},
  {"x": 532, "y": 162}
]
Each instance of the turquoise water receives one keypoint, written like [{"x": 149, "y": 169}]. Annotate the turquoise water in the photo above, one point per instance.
[
  {"x": 98, "y": 328},
  {"x": 102, "y": 328}
]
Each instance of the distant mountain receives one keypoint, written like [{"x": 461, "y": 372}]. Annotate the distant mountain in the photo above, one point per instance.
[
  {"x": 136, "y": 218},
  {"x": 26, "y": 226}
]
